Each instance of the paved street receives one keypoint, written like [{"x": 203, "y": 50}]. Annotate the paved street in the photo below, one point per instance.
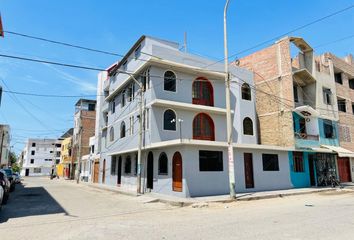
[{"x": 45, "y": 209}]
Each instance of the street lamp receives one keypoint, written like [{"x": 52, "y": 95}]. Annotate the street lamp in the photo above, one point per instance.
[{"x": 230, "y": 149}]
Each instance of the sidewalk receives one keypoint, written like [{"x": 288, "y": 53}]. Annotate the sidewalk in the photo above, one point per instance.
[{"x": 199, "y": 201}]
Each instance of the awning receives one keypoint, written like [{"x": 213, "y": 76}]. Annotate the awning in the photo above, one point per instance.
[
  {"x": 306, "y": 111},
  {"x": 342, "y": 152}
]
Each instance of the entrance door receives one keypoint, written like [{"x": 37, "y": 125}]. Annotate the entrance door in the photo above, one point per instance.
[
  {"x": 150, "y": 171},
  {"x": 312, "y": 169},
  {"x": 119, "y": 177},
  {"x": 27, "y": 172},
  {"x": 96, "y": 170},
  {"x": 177, "y": 172},
  {"x": 104, "y": 171},
  {"x": 344, "y": 169},
  {"x": 248, "y": 163}
]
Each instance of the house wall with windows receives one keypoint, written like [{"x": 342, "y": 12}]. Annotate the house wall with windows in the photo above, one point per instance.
[
  {"x": 40, "y": 157},
  {"x": 5, "y": 141}
]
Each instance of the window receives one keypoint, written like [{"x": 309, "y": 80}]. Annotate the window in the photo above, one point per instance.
[
  {"x": 202, "y": 92},
  {"x": 163, "y": 164},
  {"x": 32, "y": 161},
  {"x": 247, "y": 126},
  {"x": 169, "y": 120},
  {"x": 33, "y": 144},
  {"x": 130, "y": 93},
  {"x": 125, "y": 65},
  {"x": 128, "y": 165},
  {"x": 270, "y": 162},
  {"x": 302, "y": 123},
  {"x": 113, "y": 165},
  {"x": 341, "y": 105},
  {"x": 33, "y": 152},
  {"x": 210, "y": 161},
  {"x": 203, "y": 127},
  {"x": 298, "y": 162},
  {"x": 131, "y": 129},
  {"x": 246, "y": 92},
  {"x": 37, "y": 170},
  {"x": 50, "y": 151},
  {"x": 353, "y": 108},
  {"x": 122, "y": 130},
  {"x": 338, "y": 78},
  {"x": 137, "y": 52},
  {"x": 111, "y": 134},
  {"x": 296, "y": 96},
  {"x": 327, "y": 96},
  {"x": 58, "y": 145},
  {"x": 92, "y": 148},
  {"x": 123, "y": 98},
  {"x": 91, "y": 107},
  {"x": 113, "y": 106},
  {"x": 169, "y": 81},
  {"x": 328, "y": 129},
  {"x": 351, "y": 83}
]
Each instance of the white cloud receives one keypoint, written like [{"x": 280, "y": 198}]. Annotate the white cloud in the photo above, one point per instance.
[{"x": 86, "y": 87}]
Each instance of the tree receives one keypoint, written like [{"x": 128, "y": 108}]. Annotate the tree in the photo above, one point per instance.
[{"x": 13, "y": 162}]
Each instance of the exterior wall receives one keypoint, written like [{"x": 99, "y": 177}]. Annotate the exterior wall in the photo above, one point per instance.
[
  {"x": 273, "y": 76},
  {"x": 44, "y": 156},
  {"x": 197, "y": 183},
  {"x": 5, "y": 140},
  {"x": 300, "y": 179}
]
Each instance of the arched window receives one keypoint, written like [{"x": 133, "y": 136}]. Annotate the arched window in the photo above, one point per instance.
[
  {"x": 122, "y": 130},
  {"x": 169, "y": 81},
  {"x": 203, "y": 127},
  {"x": 246, "y": 92},
  {"x": 128, "y": 165},
  {"x": 247, "y": 126},
  {"x": 202, "y": 92},
  {"x": 169, "y": 120},
  {"x": 163, "y": 164},
  {"x": 111, "y": 134}
]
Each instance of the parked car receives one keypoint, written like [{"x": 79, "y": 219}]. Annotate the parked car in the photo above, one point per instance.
[
  {"x": 5, "y": 185},
  {"x": 10, "y": 176},
  {"x": 17, "y": 177}
]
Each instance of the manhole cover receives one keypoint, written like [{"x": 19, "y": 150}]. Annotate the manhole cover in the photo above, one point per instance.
[{"x": 30, "y": 195}]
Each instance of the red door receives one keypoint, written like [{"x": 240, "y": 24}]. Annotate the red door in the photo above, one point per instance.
[
  {"x": 249, "y": 182},
  {"x": 344, "y": 169},
  {"x": 177, "y": 172}
]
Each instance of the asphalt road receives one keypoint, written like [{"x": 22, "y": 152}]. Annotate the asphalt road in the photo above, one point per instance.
[{"x": 55, "y": 209}]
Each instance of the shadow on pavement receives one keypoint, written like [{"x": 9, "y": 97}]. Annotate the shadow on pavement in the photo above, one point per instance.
[{"x": 29, "y": 201}]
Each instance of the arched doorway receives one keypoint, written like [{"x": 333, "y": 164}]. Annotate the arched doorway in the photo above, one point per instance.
[
  {"x": 150, "y": 171},
  {"x": 177, "y": 172},
  {"x": 104, "y": 171},
  {"x": 119, "y": 175}
]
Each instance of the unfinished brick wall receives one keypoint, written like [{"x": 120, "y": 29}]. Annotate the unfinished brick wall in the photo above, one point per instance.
[{"x": 274, "y": 83}]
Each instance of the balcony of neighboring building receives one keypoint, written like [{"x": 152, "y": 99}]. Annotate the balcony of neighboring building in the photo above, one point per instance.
[{"x": 306, "y": 130}]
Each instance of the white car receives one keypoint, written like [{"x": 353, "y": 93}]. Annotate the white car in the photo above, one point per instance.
[{"x": 1, "y": 196}]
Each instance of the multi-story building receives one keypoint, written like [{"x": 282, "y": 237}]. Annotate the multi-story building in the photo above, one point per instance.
[
  {"x": 84, "y": 119},
  {"x": 184, "y": 134},
  {"x": 87, "y": 163},
  {"x": 344, "y": 83},
  {"x": 297, "y": 107},
  {"x": 4, "y": 145},
  {"x": 40, "y": 157},
  {"x": 66, "y": 158}
]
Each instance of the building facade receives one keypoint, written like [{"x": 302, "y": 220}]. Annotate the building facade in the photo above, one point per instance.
[
  {"x": 184, "y": 134},
  {"x": 66, "y": 159},
  {"x": 297, "y": 108},
  {"x": 4, "y": 145},
  {"x": 40, "y": 157},
  {"x": 84, "y": 119}
]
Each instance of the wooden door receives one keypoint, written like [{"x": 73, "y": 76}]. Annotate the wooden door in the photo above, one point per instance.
[
  {"x": 119, "y": 175},
  {"x": 96, "y": 170},
  {"x": 248, "y": 165},
  {"x": 344, "y": 169},
  {"x": 104, "y": 171},
  {"x": 150, "y": 171},
  {"x": 177, "y": 172}
]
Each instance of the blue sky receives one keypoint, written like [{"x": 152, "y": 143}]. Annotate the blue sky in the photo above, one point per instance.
[{"x": 115, "y": 25}]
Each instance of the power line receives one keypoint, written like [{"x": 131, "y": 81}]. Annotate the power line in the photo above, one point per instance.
[
  {"x": 63, "y": 43},
  {"x": 334, "y": 41},
  {"x": 49, "y": 95},
  {"x": 284, "y": 34}
]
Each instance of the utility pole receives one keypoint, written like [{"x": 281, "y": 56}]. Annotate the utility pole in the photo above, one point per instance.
[
  {"x": 230, "y": 149},
  {"x": 140, "y": 140},
  {"x": 79, "y": 154},
  {"x": 2, "y": 144}
]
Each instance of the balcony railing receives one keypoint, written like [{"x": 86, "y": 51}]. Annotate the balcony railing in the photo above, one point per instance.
[{"x": 306, "y": 136}]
